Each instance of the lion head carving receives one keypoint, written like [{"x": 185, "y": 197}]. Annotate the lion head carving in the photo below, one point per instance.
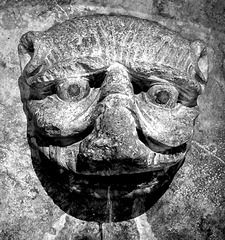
[{"x": 111, "y": 101}]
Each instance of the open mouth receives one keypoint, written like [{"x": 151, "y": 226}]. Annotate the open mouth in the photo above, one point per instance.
[
  {"x": 117, "y": 191},
  {"x": 93, "y": 197},
  {"x": 162, "y": 164},
  {"x": 123, "y": 185}
]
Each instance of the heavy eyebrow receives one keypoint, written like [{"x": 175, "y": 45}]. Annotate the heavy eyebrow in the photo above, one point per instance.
[
  {"x": 160, "y": 73},
  {"x": 156, "y": 74},
  {"x": 145, "y": 81},
  {"x": 187, "y": 94}
]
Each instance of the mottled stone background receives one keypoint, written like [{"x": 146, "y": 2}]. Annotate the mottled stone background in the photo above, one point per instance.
[{"x": 194, "y": 206}]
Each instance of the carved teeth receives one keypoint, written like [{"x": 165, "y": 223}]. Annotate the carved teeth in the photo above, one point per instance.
[
  {"x": 52, "y": 152},
  {"x": 155, "y": 159},
  {"x": 67, "y": 156},
  {"x": 64, "y": 156},
  {"x": 150, "y": 158},
  {"x": 70, "y": 159},
  {"x": 58, "y": 154},
  {"x": 45, "y": 150},
  {"x": 158, "y": 158}
]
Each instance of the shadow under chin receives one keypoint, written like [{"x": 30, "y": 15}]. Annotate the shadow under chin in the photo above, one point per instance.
[{"x": 58, "y": 184}]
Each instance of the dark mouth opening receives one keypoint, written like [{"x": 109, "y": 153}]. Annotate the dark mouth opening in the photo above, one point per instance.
[
  {"x": 118, "y": 180},
  {"x": 97, "y": 186},
  {"x": 158, "y": 147},
  {"x": 87, "y": 196},
  {"x": 120, "y": 186},
  {"x": 126, "y": 179}
]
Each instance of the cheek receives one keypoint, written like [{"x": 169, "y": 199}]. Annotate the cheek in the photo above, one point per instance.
[
  {"x": 57, "y": 118},
  {"x": 172, "y": 127}
]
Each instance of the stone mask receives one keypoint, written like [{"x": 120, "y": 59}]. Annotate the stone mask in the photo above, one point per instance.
[{"x": 111, "y": 103}]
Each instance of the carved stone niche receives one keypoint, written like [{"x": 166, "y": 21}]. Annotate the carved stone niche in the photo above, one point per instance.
[{"x": 111, "y": 103}]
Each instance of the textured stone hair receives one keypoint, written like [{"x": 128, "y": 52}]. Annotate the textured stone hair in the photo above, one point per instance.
[{"x": 141, "y": 45}]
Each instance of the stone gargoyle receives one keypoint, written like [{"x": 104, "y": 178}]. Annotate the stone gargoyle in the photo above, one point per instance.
[{"x": 111, "y": 103}]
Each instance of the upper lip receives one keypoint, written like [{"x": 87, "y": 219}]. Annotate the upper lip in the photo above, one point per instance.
[
  {"x": 63, "y": 141},
  {"x": 118, "y": 170},
  {"x": 149, "y": 142},
  {"x": 159, "y": 147}
]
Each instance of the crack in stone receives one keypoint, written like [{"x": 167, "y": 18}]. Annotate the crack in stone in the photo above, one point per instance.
[
  {"x": 62, "y": 10},
  {"x": 208, "y": 151}
]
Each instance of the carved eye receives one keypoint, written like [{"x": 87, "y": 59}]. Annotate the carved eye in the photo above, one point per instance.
[
  {"x": 72, "y": 91},
  {"x": 163, "y": 95}
]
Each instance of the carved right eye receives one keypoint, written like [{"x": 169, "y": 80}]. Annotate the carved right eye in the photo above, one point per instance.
[
  {"x": 163, "y": 95},
  {"x": 72, "y": 91}
]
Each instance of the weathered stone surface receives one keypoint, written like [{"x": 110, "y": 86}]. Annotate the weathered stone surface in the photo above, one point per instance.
[
  {"x": 112, "y": 99},
  {"x": 193, "y": 207}
]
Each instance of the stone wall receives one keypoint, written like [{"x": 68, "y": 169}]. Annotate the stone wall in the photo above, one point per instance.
[{"x": 194, "y": 206}]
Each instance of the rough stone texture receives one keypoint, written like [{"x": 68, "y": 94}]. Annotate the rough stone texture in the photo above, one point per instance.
[
  {"x": 121, "y": 143},
  {"x": 193, "y": 207}
]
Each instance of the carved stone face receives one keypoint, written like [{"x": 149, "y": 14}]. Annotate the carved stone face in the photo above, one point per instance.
[{"x": 111, "y": 103}]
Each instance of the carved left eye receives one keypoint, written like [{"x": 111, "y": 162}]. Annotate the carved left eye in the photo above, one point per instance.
[
  {"x": 163, "y": 95},
  {"x": 72, "y": 91}
]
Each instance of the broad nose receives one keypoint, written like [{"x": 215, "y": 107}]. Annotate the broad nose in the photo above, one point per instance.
[{"x": 113, "y": 145}]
